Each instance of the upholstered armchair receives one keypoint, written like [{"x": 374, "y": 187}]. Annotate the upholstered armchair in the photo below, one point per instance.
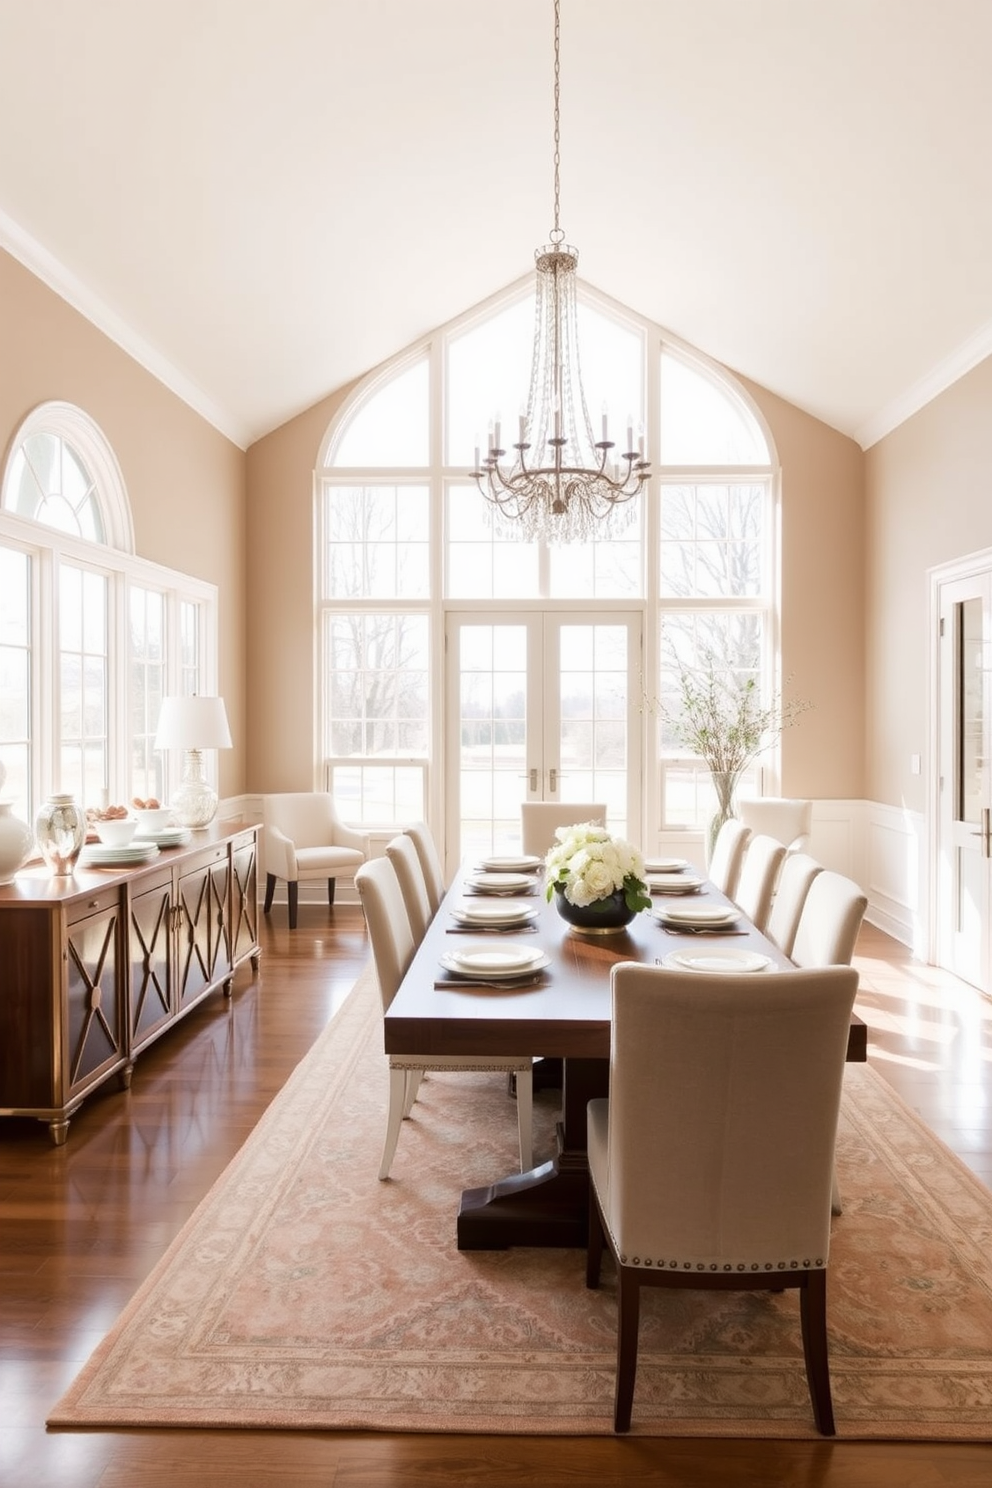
[{"x": 304, "y": 838}]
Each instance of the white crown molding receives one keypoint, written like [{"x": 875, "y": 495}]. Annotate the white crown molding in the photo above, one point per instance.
[
  {"x": 46, "y": 267},
  {"x": 937, "y": 380}
]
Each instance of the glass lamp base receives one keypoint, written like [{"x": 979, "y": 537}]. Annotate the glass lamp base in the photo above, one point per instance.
[{"x": 194, "y": 804}]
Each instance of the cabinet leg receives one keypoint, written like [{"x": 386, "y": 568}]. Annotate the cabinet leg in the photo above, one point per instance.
[
  {"x": 58, "y": 1131},
  {"x": 256, "y": 961},
  {"x": 124, "y": 1076},
  {"x": 228, "y": 988}
]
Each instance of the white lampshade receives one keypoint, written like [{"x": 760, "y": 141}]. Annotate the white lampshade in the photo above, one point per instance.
[{"x": 193, "y": 723}]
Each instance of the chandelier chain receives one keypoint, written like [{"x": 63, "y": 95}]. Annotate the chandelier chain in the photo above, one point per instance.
[{"x": 557, "y": 235}]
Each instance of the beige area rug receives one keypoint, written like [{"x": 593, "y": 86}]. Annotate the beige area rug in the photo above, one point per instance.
[{"x": 305, "y": 1294}]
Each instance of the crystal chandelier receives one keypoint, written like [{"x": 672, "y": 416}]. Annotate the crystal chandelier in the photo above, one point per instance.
[{"x": 575, "y": 484}]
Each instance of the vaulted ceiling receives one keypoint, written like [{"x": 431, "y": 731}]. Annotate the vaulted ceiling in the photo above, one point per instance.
[{"x": 262, "y": 199}]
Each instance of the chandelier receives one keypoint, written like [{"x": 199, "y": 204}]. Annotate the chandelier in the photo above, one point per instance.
[{"x": 574, "y": 483}]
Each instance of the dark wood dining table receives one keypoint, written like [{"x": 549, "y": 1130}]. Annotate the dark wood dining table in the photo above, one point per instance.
[{"x": 565, "y": 1017}]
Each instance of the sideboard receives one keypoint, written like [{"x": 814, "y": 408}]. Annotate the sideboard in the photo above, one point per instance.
[{"x": 95, "y": 967}]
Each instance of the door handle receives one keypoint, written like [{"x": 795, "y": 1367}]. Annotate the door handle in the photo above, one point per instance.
[{"x": 552, "y": 781}]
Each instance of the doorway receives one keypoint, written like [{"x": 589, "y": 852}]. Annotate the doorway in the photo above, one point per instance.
[
  {"x": 962, "y": 893},
  {"x": 540, "y": 706}
]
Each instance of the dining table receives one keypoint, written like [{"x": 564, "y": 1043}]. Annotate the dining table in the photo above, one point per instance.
[{"x": 561, "y": 1015}]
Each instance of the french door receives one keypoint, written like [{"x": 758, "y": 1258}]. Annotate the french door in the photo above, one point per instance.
[
  {"x": 539, "y": 706},
  {"x": 964, "y": 857}
]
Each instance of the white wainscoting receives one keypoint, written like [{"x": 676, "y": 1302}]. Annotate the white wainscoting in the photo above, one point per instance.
[{"x": 883, "y": 848}]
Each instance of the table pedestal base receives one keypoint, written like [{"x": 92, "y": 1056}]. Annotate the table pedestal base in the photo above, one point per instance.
[{"x": 550, "y": 1204}]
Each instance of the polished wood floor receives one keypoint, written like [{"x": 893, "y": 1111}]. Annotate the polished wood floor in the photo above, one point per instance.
[{"x": 81, "y": 1225}]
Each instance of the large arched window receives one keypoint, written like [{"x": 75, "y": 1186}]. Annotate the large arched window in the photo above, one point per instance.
[
  {"x": 461, "y": 670},
  {"x": 91, "y": 636}
]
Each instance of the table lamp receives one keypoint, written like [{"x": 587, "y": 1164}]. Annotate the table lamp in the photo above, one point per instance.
[{"x": 193, "y": 724}]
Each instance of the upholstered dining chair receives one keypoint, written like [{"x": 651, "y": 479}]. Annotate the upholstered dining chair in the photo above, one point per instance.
[
  {"x": 392, "y": 951},
  {"x": 539, "y": 820},
  {"x": 829, "y": 921},
  {"x": 430, "y": 861},
  {"x": 758, "y": 877},
  {"x": 305, "y": 838},
  {"x": 789, "y": 820},
  {"x": 402, "y": 853},
  {"x": 798, "y": 872},
  {"x": 711, "y": 1159},
  {"x": 728, "y": 855}
]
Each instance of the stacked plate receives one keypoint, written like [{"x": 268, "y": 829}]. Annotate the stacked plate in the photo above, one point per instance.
[
  {"x": 98, "y": 856},
  {"x": 523, "y": 863},
  {"x": 674, "y": 883},
  {"x": 507, "y": 963},
  {"x": 499, "y": 883},
  {"x": 728, "y": 962},
  {"x": 166, "y": 837},
  {"x": 697, "y": 916},
  {"x": 665, "y": 865},
  {"x": 495, "y": 914}
]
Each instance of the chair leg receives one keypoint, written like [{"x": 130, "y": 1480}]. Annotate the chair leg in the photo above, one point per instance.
[
  {"x": 293, "y": 893},
  {"x": 413, "y": 1079},
  {"x": 628, "y": 1320},
  {"x": 525, "y": 1119},
  {"x": 813, "y": 1312},
  {"x": 594, "y": 1248},
  {"x": 270, "y": 888},
  {"x": 397, "y": 1099},
  {"x": 330, "y": 890}
]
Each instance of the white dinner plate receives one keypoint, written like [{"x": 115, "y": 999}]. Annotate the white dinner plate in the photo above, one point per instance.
[
  {"x": 526, "y": 863},
  {"x": 117, "y": 857},
  {"x": 495, "y": 912},
  {"x": 494, "y": 965},
  {"x": 719, "y": 962},
  {"x": 166, "y": 837},
  {"x": 674, "y": 883},
  {"x": 500, "y": 883},
  {"x": 665, "y": 865},
  {"x": 699, "y": 914}
]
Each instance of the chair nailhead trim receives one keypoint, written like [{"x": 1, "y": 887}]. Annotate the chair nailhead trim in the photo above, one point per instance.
[{"x": 725, "y": 1266}]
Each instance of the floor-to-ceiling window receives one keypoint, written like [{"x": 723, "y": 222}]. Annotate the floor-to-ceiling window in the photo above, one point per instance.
[
  {"x": 91, "y": 637},
  {"x": 462, "y": 671}
]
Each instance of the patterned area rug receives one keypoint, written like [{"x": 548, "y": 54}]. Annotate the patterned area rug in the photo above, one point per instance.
[{"x": 305, "y": 1294}]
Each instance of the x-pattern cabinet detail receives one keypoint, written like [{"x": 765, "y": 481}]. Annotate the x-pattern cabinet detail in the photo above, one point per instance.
[{"x": 95, "y": 967}]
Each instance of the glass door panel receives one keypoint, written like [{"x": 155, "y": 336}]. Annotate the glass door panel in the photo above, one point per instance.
[{"x": 540, "y": 708}]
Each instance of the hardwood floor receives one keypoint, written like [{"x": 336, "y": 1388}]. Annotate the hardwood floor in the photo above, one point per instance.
[{"x": 81, "y": 1225}]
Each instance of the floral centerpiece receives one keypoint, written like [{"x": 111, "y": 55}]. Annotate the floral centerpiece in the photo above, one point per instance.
[{"x": 598, "y": 879}]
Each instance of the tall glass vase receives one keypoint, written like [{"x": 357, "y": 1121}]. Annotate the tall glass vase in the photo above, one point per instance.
[{"x": 725, "y": 785}]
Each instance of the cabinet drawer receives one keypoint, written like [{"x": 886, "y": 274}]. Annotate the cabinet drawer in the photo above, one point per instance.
[{"x": 96, "y": 903}]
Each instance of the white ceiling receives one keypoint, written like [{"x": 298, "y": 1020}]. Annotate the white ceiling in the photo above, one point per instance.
[{"x": 262, "y": 199}]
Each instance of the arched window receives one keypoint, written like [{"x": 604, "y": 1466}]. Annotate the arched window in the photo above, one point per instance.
[
  {"x": 462, "y": 670},
  {"x": 91, "y": 636}
]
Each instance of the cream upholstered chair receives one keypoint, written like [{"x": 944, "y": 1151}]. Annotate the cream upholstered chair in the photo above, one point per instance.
[
  {"x": 539, "y": 820},
  {"x": 798, "y": 872},
  {"x": 392, "y": 952},
  {"x": 789, "y": 820},
  {"x": 430, "y": 862},
  {"x": 711, "y": 1160},
  {"x": 402, "y": 853},
  {"x": 758, "y": 877},
  {"x": 829, "y": 922},
  {"x": 728, "y": 855},
  {"x": 305, "y": 838}
]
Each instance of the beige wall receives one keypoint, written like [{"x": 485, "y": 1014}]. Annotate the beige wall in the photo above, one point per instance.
[
  {"x": 822, "y": 633},
  {"x": 929, "y": 500},
  {"x": 185, "y": 482},
  {"x": 823, "y": 606}
]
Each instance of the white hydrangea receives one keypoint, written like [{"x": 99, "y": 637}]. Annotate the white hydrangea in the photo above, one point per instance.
[{"x": 587, "y": 864}]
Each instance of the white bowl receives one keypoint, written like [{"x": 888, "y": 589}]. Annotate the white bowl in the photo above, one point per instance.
[
  {"x": 153, "y": 819},
  {"x": 117, "y": 831}
]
